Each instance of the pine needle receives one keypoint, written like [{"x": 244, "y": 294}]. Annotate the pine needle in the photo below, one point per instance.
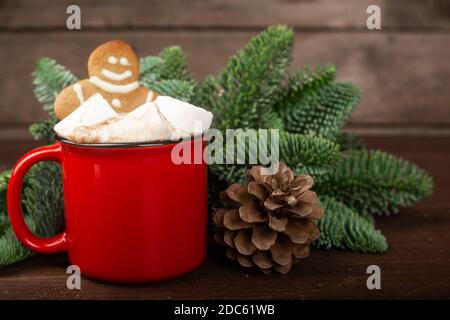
[
  {"x": 342, "y": 228},
  {"x": 49, "y": 79},
  {"x": 376, "y": 182}
]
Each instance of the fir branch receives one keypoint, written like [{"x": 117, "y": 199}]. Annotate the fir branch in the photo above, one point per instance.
[
  {"x": 4, "y": 180},
  {"x": 235, "y": 162},
  {"x": 376, "y": 182},
  {"x": 207, "y": 93},
  {"x": 42, "y": 203},
  {"x": 49, "y": 79},
  {"x": 251, "y": 81},
  {"x": 315, "y": 104},
  {"x": 167, "y": 74},
  {"x": 308, "y": 154},
  {"x": 348, "y": 141},
  {"x": 306, "y": 82},
  {"x": 150, "y": 69},
  {"x": 43, "y": 130},
  {"x": 340, "y": 227},
  {"x": 11, "y": 249},
  {"x": 304, "y": 154},
  {"x": 42, "y": 198},
  {"x": 179, "y": 89},
  {"x": 170, "y": 64},
  {"x": 175, "y": 65},
  {"x": 229, "y": 173}
]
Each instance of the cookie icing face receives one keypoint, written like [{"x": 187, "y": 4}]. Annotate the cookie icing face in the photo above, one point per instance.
[{"x": 114, "y": 66}]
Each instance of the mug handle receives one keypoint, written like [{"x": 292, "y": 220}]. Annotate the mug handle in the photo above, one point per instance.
[{"x": 42, "y": 245}]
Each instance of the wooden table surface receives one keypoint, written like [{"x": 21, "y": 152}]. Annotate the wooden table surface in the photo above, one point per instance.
[{"x": 416, "y": 266}]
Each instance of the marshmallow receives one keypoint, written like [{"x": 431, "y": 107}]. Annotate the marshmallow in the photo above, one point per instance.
[
  {"x": 92, "y": 112},
  {"x": 185, "y": 118},
  {"x": 141, "y": 125},
  {"x": 163, "y": 119}
]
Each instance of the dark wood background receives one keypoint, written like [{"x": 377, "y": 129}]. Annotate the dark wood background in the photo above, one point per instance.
[{"x": 403, "y": 69}]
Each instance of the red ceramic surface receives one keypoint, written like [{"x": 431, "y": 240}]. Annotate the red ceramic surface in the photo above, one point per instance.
[{"x": 132, "y": 215}]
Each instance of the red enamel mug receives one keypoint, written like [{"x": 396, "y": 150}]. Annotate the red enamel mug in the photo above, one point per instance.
[{"x": 131, "y": 213}]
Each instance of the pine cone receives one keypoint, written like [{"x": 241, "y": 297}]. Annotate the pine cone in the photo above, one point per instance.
[{"x": 271, "y": 221}]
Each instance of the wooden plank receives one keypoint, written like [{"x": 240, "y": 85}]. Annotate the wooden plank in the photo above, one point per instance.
[
  {"x": 415, "y": 267},
  {"x": 404, "y": 76},
  {"x": 11, "y": 151},
  {"x": 225, "y": 13},
  {"x": 407, "y": 272}
]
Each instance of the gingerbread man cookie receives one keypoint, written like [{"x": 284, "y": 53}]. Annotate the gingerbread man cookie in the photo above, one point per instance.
[{"x": 114, "y": 73}]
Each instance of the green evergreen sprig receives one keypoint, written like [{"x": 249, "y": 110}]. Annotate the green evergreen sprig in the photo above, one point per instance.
[
  {"x": 207, "y": 93},
  {"x": 179, "y": 89},
  {"x": 175, "y": 65},
  {"x": 349, "y": 141},
  {"x": 43, "y": 130},
  {"x": 167, "y": 72},
  {"x": 49, "y": 79},
  {"x": 4, "y": 180},
  {"x": 314, "y": 104},
  {"x": 308, "y": 154},
  {"x": 42, "y": 204},
  {"x": 11, "y": 250},
  {"x": 250, "y": 84},
  {"x": 304, "y": 154},
  {"x": 150, "y": 69},
  {"x": 343, "y": 228},
  {"x": 376, "y": 182}
]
